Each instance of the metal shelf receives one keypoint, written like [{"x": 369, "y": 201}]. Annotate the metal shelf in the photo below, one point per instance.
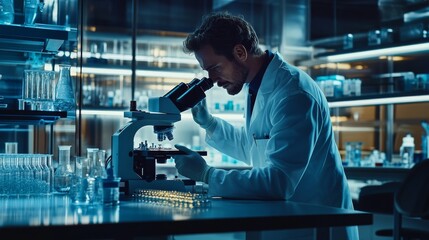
[
  {"x": 376, "y": 173},
  {"x": 417, "y": 96},
  {"x": 30, "y": 117},
  {"x": 36, "y": 38},
  {"x": 367, "y": 53}
]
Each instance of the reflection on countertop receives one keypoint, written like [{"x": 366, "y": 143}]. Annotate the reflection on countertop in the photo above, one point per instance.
[{"x": 53, "y": 209}]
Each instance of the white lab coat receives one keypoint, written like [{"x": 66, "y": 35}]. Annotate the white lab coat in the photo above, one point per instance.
[{"x": 289, "y": 142}]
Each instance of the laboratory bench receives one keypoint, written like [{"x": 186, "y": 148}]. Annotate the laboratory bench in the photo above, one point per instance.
[{"x": 54, "y": 217}]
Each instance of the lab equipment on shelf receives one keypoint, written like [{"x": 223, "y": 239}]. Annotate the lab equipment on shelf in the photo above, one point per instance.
[
  {"x": 352, "y": 87},
  {"x": 64, "y": 95},
  {"x": 31, "y": 8},
  {"x": 38, "y": 90},
  {"x": 331, "y": 85},
  {"x": 354, "y": 153},
  {"x": 11, "y": 147},
  {"x": 7, "y": 12},
  {"x": 407, "y": 151}
]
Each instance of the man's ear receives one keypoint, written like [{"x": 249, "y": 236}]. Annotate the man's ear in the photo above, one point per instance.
[{"x": 240, "y": 53}]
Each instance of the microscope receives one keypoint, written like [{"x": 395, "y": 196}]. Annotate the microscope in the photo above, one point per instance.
[{"x": 137, "y": 166}]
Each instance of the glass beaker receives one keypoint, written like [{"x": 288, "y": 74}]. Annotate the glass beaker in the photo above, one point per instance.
[
  {"x": 64, "y": 94},
  {"x": 64, "y": 173},
  {"x": 30, "y": 11},
  {"x": 11, "y": 147},
  {"x": 6, "y": 11}
]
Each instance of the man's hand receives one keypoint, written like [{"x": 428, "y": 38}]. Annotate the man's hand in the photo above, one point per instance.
[
  {"x": 192, "y": 165},
  {"x": 201, "y": 114}
]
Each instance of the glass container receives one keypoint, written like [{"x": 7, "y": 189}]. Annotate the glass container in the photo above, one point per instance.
[
  {"x": 64, "y": 173},
  {"x": 65, "y": 95},
  {"x": 31, "y": 7},
  {"x": 6, "y": 11}
]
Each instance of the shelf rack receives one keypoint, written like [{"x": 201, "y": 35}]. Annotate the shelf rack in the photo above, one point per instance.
[
  {"x": 30, "y": 117},
  {"x": 35, "y": 38}
]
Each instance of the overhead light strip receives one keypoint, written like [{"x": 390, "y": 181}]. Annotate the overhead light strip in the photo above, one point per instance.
[
  {"x": 379, "y": 52},
  {"x": 380, "y": 101}
]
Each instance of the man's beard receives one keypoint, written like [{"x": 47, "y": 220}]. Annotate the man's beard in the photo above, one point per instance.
[{"x": 243, "y": 72}]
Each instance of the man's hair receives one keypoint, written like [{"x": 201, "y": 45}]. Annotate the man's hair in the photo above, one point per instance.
[{"x": 223, "y": 31}]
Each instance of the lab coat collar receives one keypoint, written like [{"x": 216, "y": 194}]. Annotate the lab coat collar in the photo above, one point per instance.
[
  {"x": 268, "y": 84},
  {"x": 269, "y": 81}
]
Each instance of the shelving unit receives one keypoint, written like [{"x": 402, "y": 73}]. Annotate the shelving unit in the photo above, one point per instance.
[
  {"x": 30, "y": 117},
  {"x": 33, "y": 129},
  {"x": 368, "y": 63},
  {"x": 36, "y": 38}
]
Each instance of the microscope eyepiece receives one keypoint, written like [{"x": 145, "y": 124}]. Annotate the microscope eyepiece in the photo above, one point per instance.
[
  {"x": 205, "y": 83},
  {"x": 194, "y": 94}
]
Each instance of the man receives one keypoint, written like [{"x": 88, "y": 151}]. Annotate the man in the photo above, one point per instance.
[{"x": 287, "y": 139}]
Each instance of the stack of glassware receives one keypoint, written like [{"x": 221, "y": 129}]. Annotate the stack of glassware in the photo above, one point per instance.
[
  {"x": 25, "y": 174},
  {"x": 90, "y": 174}
]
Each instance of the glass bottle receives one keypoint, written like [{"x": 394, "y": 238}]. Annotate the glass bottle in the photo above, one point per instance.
[
  {"x": 64, "y": 173},
  {"x": 64, "y": 94},
  {"x": 6, "y": 11},
  {"x": 407, "y": 150},
  {"x": 46, "y": 173}
]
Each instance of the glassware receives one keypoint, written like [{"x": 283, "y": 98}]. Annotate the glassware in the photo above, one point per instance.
[
  {"x": 36, "y": 168},
  {"x": 88, "y": 163},
  {"x": 98, "y": 169},
  {"x": 64, "y": 172},
  {"x": 11, "y": 147},
  {"x": 6, "y": 11},
  {"x": 38, "y": 89},
  {"x": 407, "y": 150},
  {"x": 354, "y": 153},
  {"x": 65, "y": 95},
  {"x": 111, "y": 191},
  {"x": 98, "y": 172},
  {"x": 47, "y": 174},
  {"x": 31, "y": 7},
  {"x": 80, "y": 192}
]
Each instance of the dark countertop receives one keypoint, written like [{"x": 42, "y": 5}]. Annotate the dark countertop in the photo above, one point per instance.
[{"x": 54, "y": 217}]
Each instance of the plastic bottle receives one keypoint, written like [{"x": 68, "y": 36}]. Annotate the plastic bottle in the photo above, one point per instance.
[
  {"x": 64, "y": 173},
  {"x": 6, "y": 11},
  {"x": 407, "y": 150}
]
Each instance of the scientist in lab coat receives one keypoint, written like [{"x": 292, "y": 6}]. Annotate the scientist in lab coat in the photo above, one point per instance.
[{"x": 287, "y": 138}]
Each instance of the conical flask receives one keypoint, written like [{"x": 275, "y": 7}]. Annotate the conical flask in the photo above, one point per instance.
[
  {"x": 65, "y": 95},
  {"x": 63, "y": 174}
]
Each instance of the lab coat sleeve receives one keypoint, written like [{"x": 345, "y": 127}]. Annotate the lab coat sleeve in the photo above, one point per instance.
[
  {"x": 294, "y": 124},
  {"x": 230, "y": 140}
]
